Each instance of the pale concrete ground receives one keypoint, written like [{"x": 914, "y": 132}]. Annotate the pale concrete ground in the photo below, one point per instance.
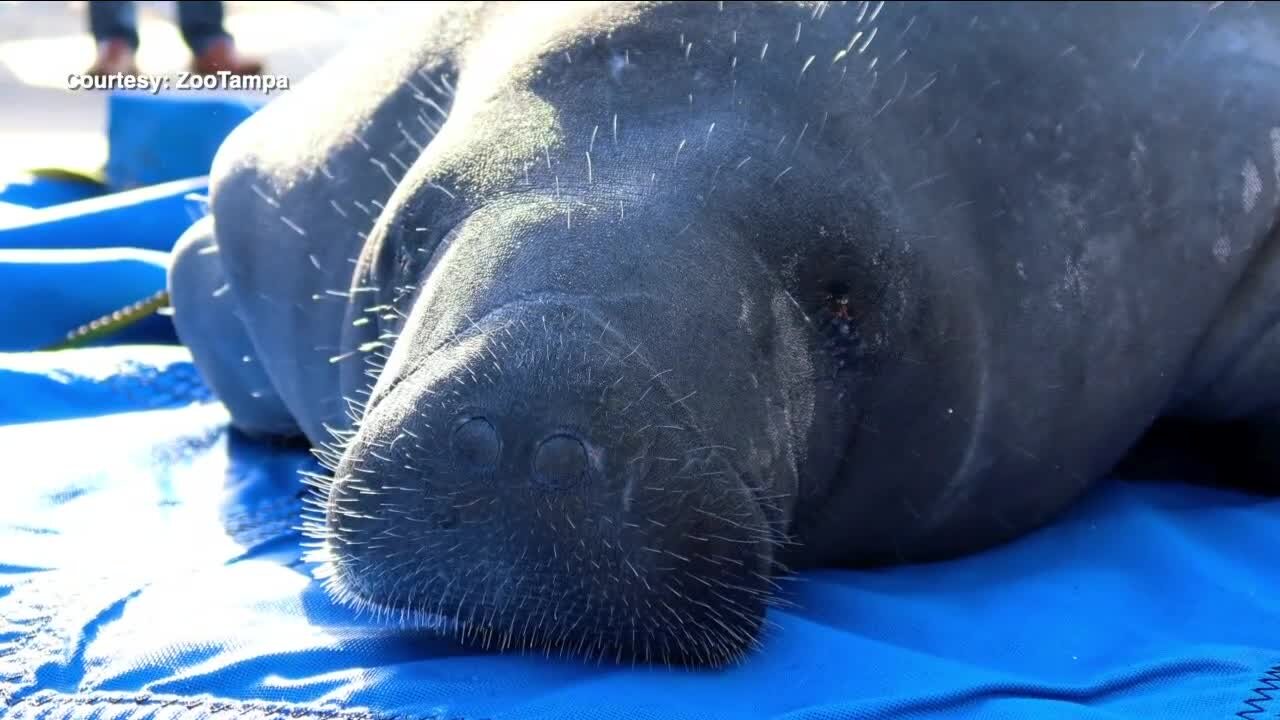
[{"x": 42, "y": 123}]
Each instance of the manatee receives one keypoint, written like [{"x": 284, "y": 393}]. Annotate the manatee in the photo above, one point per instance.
[{"x": 608, "y": 318}]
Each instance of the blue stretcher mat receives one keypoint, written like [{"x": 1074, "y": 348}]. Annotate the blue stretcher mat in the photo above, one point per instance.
[{"x": 150, "y": 566}]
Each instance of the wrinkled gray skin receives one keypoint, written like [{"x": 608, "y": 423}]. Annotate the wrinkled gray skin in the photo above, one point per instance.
[{"x": 604, "y": 314}]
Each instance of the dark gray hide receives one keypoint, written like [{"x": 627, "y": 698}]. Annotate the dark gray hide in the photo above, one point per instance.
[{"x": 602, "y": 314}]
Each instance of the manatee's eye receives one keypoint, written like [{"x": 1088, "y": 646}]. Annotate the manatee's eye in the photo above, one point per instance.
[
  {"x": 476, "y": 442},
  {"x": 838, "y": 300},
  {"x": 560, "y": 460}
]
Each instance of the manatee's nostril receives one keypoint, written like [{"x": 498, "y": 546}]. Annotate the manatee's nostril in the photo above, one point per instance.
[
  {"x": 476, "y": 442},
  {"x": 560, "y": 460}
]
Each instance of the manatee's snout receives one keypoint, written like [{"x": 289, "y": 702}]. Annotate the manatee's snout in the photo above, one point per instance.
[{"x": 539, "y": 483}]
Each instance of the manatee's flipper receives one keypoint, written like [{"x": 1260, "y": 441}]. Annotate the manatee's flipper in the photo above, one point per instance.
[
  {"x": 205, "y": 316},
  {"x": 298, "y": 186}
]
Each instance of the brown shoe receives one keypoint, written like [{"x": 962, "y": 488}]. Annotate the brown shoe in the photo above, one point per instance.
[
  {"x": 114, "y": 56},
  {"x": 221, "y": 55}
]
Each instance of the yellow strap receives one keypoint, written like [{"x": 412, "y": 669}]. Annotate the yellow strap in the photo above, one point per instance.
[
  {"x": 95, "y": 177},
  {"x": 112, "y": 323}
]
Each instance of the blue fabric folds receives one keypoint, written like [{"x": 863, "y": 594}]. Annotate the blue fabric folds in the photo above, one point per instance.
[
  {"x": 45, "y": 294},
  {"x": 150, "y": 566}
]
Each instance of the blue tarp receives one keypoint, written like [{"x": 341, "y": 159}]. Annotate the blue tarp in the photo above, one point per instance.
[
  {"x": 150, "y": 566},
  {"x": 153, "y": 139}
]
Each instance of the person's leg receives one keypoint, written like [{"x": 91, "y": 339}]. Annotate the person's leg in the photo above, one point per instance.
[
  {"x": 114, "y": 26},
  {"x": 201, "y": 23},
  {"x": 114, "y": 21}
]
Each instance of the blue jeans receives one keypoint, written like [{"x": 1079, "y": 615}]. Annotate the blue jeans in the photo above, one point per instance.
[{"x": 200, "y": 22}]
